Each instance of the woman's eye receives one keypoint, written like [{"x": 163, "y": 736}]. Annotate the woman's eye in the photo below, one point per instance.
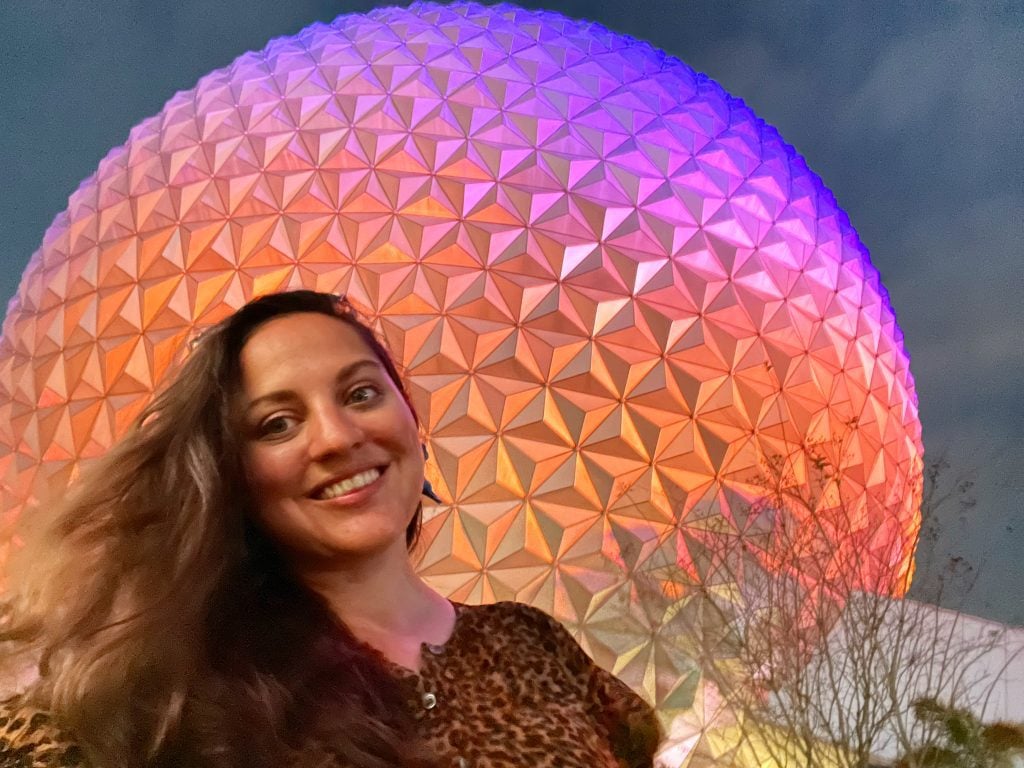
[
  {"x": 275, "y": 426},
  {"x": 363, "y": 394}
]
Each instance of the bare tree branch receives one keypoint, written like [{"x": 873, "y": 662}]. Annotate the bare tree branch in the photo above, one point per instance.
[{"x": 795, "y": 616}]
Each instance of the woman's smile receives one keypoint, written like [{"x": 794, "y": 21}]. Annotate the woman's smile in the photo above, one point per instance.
[{"x": 347, "y": 486}]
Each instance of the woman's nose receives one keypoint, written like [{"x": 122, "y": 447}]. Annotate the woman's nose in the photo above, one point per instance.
[{"x": 332, "y": 430}]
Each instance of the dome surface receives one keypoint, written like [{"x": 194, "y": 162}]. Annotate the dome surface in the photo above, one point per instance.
[{"x": 615, "y": 292}]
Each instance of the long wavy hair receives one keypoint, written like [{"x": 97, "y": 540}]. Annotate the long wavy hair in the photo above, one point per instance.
[{"x": 165, "y": 628}]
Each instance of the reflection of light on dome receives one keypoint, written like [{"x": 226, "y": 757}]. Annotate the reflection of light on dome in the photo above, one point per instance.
[
  {"x": 686, "y": 730},
  {"x": 613, "y": 288}
]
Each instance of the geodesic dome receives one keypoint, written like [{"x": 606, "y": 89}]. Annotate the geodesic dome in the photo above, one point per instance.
[{"x": 613, "y": 289}]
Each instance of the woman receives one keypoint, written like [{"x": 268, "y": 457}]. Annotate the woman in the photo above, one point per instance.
[{"x": 230, "y": 586}]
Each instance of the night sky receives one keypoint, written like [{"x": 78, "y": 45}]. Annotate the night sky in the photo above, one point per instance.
[{"x": 911, "y": 112}]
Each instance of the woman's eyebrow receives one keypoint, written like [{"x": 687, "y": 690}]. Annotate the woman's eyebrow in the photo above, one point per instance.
[{"x": 284, "y": 395}]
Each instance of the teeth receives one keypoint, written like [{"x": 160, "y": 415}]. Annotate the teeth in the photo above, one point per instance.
[{"x": 350, "y": 484}]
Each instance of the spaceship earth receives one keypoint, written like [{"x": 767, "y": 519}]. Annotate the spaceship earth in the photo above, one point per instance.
[{"x": 615, "y": 293}]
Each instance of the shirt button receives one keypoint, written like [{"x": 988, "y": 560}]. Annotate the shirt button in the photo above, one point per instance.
[
  {"x": 437, "y": 650},
  {"x": 429, "y": 701},
  {"x": 461, "y": 762}
]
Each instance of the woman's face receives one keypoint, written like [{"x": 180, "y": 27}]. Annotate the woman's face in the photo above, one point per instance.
[{"x": 332, "y": 453}]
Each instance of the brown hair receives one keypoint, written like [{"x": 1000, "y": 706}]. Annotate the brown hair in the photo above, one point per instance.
[{"x": 166, "y": 628}]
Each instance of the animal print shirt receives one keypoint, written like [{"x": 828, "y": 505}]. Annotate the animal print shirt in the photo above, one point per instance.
[{"x": 510, "y": 689}]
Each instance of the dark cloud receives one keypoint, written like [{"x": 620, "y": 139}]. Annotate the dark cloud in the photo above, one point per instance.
[{"x": 910, "y": 112}]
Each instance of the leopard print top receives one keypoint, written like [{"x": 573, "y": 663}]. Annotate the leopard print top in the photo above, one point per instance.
[
  {"x": 510, "y": 689},
  {"x": 29, "y": 740}
]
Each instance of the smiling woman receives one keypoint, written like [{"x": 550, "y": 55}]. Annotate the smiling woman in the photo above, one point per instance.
[
  {"x": 230, "y": 585},
  {"x": 332, "y": 450}
]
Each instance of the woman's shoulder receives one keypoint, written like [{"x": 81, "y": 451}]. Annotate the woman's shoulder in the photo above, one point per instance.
[
  {"x": 506, "y": 614},
  {"x": 516, "y": 631},
  {"x": 29, "y": 738},
  {"x": 513, "y": 622},
  {"x": 539, "y": 647}
]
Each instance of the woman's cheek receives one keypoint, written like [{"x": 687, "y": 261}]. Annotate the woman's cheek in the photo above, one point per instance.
[{"x": 274, "y": 468}]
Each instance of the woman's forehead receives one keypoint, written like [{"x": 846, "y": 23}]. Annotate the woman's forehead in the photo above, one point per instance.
[
  {"x": 293, "y": 352},
  {"x": 305, "y": 330}
]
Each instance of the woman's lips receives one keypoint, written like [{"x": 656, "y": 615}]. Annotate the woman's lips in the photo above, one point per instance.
[{"x": 352, "y": 486}]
